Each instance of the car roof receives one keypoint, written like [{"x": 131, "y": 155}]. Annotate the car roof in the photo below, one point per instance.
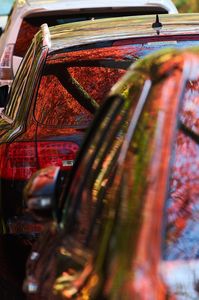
[
  {"x": 87, "y": 32},
  {"x": 166, "y": 5}
]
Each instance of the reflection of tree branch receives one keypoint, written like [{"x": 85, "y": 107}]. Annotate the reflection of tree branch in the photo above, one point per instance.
[
  {"x": 104, "y": 63},
  {"x": 72, "y": 86},
  {"x": 188, "y": 131}
]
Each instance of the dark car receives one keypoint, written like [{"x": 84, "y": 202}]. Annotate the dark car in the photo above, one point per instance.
[
  {"x": 63, "y": 79},
  {"x": 129, "y": 227}
]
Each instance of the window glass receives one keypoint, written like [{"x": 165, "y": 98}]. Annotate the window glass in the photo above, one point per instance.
[
  {"x": 24, "y": 38},
  {"x": 182, "y": 206},
  {"x": 74, "y": 84}
]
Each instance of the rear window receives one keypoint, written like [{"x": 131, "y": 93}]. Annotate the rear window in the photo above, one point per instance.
[{"x": 74, "y": 84}]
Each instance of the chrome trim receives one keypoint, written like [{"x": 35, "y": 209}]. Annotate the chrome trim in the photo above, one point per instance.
[
  {"x": 46, "y": 35},
  {"x": 86, "y": 32},
  {"x": 4, "y": 117}
]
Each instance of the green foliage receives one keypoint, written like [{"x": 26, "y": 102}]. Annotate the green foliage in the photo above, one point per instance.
[{"x": 187, "y": 6}]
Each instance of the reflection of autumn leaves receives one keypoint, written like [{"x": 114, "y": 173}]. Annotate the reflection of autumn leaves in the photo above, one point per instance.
[
  {"x": 96, "y": 81},
  {"x": 24, "y": 38},
  {"x": 56, "y": 106},
  {"x": 116, "y": 53},
  {"x": 74, "y": 78},
  {"x": 183, "y": 186},
  {"x": 182, "y": 205},
  {"x": 190, "y": 111}
]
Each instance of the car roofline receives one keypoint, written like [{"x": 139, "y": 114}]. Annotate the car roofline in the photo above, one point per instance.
[{"x": 87, "y": 32}]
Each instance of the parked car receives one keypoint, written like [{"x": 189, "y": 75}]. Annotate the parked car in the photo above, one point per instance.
[
  {"x": 129, "y": 228},
  {"x": 62, "y": 81},
  {"x": 27, "y": 16}
]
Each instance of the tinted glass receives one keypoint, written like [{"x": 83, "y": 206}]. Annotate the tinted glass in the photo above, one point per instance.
[
  {"x": 182, "y": 208},
  {"x": 75, "y": 83}
]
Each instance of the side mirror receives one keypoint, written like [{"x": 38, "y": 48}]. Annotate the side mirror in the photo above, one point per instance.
[
  {"x": 40, "y": 194},
  {"x": 4, "y": 95}
]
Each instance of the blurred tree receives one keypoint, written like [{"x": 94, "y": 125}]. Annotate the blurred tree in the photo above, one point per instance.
[{"x": 187, "y": 5}]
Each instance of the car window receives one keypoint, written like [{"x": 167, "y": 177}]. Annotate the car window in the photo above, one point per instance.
[
  {"x": 182, "y": 208},
  {"x": 24, "y": 37},
  {"x": 75, "y": 84}
]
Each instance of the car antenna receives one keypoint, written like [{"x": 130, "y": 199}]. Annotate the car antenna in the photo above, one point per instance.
[{"x": 157, "y": 25}]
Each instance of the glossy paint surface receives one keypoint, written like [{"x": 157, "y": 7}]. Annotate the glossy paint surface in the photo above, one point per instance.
[
  {"x": 46, "y": 119},
  {"x": 130, "y": 218},
  {"x": 126, "y": 27}
]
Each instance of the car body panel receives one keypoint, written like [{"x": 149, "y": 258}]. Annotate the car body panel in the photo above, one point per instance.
[
  {"x": 23, "y": 114},
  {"x": 135, "y": 27},
  {"x": 115, "y": 232}
]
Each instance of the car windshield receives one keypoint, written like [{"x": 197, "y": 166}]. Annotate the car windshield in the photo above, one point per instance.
[{"x": 75, "y": 83}]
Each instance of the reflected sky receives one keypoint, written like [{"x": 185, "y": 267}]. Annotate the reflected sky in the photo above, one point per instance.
[{"x": 5, "y": 6}]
